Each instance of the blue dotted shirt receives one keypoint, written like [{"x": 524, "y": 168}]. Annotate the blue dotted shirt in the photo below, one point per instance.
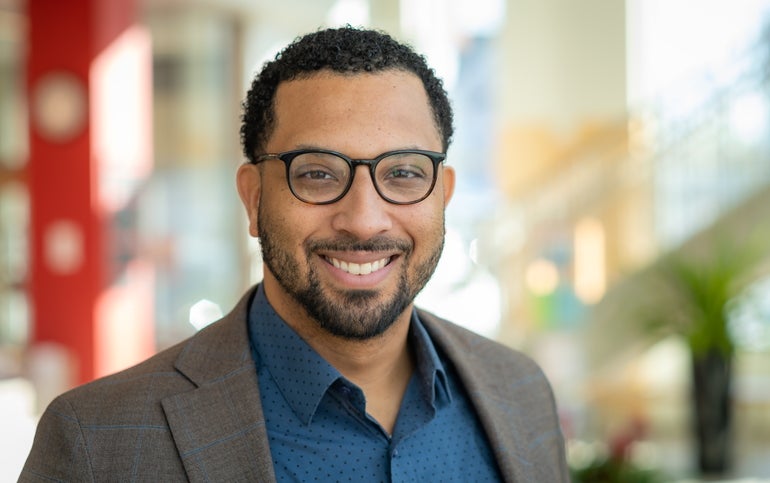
[{"x": 319, "y": 430}]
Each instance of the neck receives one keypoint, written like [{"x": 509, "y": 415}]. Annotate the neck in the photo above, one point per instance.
[{"x": 370, "y": 362}]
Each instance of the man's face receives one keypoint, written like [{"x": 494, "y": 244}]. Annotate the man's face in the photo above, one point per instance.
[{"x": 352, "y": 267}]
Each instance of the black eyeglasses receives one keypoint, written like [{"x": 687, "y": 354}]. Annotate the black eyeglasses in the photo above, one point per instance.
[{"x": 321, "y": 177}]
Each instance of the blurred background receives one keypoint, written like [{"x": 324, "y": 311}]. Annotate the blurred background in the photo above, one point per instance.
[{"x": 612, "y": 217}]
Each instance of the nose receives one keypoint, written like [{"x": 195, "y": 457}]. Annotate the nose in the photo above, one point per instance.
[{"x": 362, "y": 213}]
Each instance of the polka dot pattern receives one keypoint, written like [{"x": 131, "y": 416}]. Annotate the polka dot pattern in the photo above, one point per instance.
[{"x": 319, "y": 430}]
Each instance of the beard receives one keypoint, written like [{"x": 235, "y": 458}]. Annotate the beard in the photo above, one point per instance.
[{"x": 350, "y": 314}]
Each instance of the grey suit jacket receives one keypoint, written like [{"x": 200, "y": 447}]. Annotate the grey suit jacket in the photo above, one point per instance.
[{"x": 193, "y": 412}]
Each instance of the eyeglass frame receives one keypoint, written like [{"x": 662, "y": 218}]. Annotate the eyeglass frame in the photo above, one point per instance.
[{"x": 288, "y": 156}]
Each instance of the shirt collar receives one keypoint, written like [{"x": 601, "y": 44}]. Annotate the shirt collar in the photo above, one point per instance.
[
  {"x": 430, "y": 369},
  {"x": 303, "y": 377}
]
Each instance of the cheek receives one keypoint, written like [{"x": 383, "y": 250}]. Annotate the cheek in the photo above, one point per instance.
[
  {"x": 289, "y": 222},
  {"x": 425, "y": 227}
]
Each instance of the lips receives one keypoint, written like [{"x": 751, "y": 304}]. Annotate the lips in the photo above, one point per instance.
[{"x": 359, "y": 268}]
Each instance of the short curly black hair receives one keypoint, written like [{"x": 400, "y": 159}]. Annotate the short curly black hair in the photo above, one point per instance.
[{"x": 344, "y": 50}]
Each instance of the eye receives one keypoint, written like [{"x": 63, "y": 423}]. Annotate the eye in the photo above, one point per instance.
[
  {"x": 404, "y": 172},
  {"x": 405, "y": 167},
  {"x": 314, "y": 173}
]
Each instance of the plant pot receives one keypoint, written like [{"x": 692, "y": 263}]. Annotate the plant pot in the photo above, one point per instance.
[{"x": 712, "y": 411}]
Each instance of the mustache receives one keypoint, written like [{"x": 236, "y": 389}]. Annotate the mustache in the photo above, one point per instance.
[{"x": 352, "y": 244}]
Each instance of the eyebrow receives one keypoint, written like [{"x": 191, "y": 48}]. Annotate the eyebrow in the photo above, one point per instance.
[{"x": 315, "y": 146}]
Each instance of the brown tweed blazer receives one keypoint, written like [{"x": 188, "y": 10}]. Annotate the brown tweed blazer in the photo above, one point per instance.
[{"x": 193, "y": 413}]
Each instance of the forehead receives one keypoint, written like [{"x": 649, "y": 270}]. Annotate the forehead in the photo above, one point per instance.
[{"x": 388, "y": 109}]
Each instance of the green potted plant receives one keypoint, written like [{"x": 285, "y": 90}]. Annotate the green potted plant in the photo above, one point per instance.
[{"x": 693, "y": 292}]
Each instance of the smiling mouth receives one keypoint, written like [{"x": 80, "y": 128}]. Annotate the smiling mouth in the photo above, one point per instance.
[{"x": 359, "y": 268}]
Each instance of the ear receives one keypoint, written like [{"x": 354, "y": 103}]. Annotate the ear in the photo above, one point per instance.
[
  {"x": 447, "y": 183},
  {"x": 249, "y": 183}
]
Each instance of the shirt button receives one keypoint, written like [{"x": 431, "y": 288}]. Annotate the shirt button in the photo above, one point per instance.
[{"x": 395, "y": 453}]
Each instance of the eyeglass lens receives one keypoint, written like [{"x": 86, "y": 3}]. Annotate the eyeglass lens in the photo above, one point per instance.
[{"x": 323, "y": 177}]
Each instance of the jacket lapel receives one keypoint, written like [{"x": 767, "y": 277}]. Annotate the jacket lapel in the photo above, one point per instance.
[
  {"x": 489, "y": 391},
  {"x": 219, "y": 427}
]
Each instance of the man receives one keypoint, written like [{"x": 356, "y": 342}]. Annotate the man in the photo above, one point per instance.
[{"x": 325, "y": 371}]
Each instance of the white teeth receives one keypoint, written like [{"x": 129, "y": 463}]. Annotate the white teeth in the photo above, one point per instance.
[{"x": 359, "y": 268}]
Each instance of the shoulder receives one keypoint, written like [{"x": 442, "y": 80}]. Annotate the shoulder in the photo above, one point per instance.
[
  {"x": 466, "y": 344},
  {"x": 214, "y": 352},
  {"x": 150, "y": 380},
  {"x": 106, "y": 426},
  {"x": 489, "y": 367},
  {"x": 91, "y": 429}
]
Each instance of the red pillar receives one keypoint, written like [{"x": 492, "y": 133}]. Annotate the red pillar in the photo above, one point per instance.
[{"x": 71, "y": 266}]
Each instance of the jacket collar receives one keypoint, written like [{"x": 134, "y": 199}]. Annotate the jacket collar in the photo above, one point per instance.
[
  {"x": 219, "y": 427},
  {"x": 219, "y": 349},
  {"x": 505, "y": 398}
]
